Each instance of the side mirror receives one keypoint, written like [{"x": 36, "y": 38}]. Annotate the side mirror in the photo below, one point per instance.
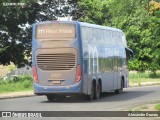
[{"x": 129, "y": 54}]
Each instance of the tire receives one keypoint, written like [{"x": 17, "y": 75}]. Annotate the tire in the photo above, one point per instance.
[
  {"x": 97, "y": 91},
  {"x": 118, "y": 91},
  {"x": 50, "y": 97},
  {"x": 91, "y": 96}
]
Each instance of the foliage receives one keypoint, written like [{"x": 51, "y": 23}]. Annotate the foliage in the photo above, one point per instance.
[
  {"x": 26, "y": 84},
  {"x": 157, "y": 106},
  {"x": 19, "y": 83},
  {"x": 11, "y": 67},
  {"x": 92, "y": 11},
  {"x": 153, "y": 7},
  {"x": 15, "y": 26},
  {"x": 139, "y": 19},
  {"x": 13, "y": 79},
  {"x": 144, "y": 77}
]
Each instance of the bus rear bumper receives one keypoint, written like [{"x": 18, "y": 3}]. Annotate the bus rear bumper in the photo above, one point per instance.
[{"x": 43, "y": 90}]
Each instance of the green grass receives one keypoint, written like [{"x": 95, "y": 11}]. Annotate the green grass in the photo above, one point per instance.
[
  {"x": 138, "y": 78},
  {"x": 24, "y": 82},
  {"x": 157, "y": 106},
  {"x": 147, "y": 107},
  {"x": 20, "y": 83}
]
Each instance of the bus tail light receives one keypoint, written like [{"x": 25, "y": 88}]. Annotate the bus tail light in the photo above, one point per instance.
[
  {"x": 35, "y": 76},
  {"x": 78, "y": 73}
]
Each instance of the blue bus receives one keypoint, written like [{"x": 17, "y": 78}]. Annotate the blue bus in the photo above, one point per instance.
[{"x": 71, "y": 57}]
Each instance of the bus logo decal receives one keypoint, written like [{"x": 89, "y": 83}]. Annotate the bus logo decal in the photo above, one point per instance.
[{"x": 93, "y": 54}]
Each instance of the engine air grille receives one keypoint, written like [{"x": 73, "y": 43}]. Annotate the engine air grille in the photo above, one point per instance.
[{"x": 58, "y": 61}]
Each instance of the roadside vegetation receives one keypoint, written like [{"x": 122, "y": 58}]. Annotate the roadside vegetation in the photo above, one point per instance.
[
  {"x": 148, "y": 107},
  {"x": 137, "y": 78},
  {"x": 6, "y": 69},
  {"x": 16, "y": 83},
  {"x": 139, "y": 20},
  {"x": 24, "y": 82},
  {"x": 157, "y": 106}
]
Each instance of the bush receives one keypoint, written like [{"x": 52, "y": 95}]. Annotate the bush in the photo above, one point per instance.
[
  {"x": 144, "y": 75},
  {"x": 16, "y": 83},
  {"x": 26, "y": 84},
  {"x": 25, "y": 77},
  {"x": 14, "y": 79},
  {"x": 157, "y": 106}
]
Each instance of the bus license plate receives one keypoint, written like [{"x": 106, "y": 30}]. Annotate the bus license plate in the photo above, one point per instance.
[{"x": 56, "y": 82}]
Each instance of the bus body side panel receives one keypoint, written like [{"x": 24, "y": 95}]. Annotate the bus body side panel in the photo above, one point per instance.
[
  {"x": 102, "y": 61},
  {"x": 33, "y": 45},
  {"x": 81, "y": 60},
  {"x": 80, "y": 53}
]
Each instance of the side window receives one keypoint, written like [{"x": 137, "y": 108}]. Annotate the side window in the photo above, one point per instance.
[
  {"x": 86, "y": 34},
  {"x": 109, "y": 64},
  {"x": 83, "y": 30},
  {"x": 124, "y": 40}
]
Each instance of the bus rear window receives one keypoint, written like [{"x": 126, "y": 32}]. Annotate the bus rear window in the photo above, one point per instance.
[{"x": 55, "y": 31}]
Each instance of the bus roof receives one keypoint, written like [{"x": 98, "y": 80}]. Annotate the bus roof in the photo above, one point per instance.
[
  {"x": 99, "y": 26},
  {"x": 82, "y": 24}
]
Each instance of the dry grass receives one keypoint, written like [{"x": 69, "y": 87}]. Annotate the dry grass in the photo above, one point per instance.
[
  {"x": 148, "y": 107},
  {"x": 6, "y": 69}
]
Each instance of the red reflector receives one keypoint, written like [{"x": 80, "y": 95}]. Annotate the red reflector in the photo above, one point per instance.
[
  {"x": 35, "y": 77},
  {"x": 78, "y": 73}
]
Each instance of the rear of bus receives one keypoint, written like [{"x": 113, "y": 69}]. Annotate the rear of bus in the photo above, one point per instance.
[{"x": 56, "y": 63}]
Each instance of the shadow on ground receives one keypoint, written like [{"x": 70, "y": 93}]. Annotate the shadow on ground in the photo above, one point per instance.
[{"x": 105, "y": 97}]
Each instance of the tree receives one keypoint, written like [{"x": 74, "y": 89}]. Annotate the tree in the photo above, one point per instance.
[
  {"x": 137, "y": 21},
  {"x": 154, "y": 10},
  {"x": 136, "y": 18},
  {"x": 92, "y": 11},
  {"x": 15, "y": 26}
]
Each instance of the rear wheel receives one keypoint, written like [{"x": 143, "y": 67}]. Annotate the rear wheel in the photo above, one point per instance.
[
  {"x": 50, "y": 97},
  {"x": 118, "y": 91},
  {"x": 91, "y": 96},
  {"x": 98, "y": 91}
]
